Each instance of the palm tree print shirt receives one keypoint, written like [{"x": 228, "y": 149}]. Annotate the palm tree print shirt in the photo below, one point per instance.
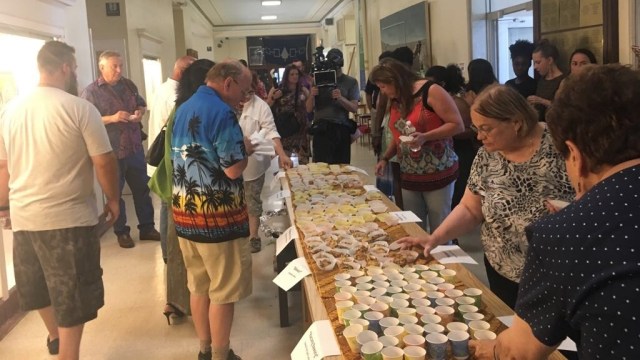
[{"x": 207, "y": 206}]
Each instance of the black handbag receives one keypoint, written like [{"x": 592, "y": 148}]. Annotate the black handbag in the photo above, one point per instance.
[
  {"x": 287, "y": 124},
  {"x": 156, "y": 150}
]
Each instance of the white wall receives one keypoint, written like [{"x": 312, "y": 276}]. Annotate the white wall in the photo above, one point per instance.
[
  {"x": 155, "y": 18},
  {"x": 235, "y": 48},
  {"x": 198, "y": 33}
]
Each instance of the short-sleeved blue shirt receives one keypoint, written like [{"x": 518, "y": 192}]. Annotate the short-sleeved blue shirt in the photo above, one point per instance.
[
  {"x": 207, "y": 205},
  {"x": 582, "y": 273}
]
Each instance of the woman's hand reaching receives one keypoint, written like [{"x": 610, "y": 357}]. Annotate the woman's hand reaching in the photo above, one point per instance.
[{"x": 428, "y": 242}]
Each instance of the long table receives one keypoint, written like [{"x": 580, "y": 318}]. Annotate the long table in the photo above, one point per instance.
[{"x": 314, "y": 308}]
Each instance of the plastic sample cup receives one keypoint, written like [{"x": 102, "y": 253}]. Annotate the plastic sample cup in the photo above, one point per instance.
[
  {"x": 372, "y": 350},
  {"x": 437, "y": 346},
  {"x": 350, "y": 333}
]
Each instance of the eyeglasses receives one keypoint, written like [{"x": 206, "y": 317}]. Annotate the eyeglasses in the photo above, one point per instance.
[{"x": 483, "y": 129}]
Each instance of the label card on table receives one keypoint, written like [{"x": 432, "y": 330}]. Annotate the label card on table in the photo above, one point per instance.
[
  {"x": 276, "y": 178},
  {"x": 451, "y": 254},
  {"x": 285, "y": 238},
  {"x": 280, "y": 195},
  {"x": 292, "y": 274},
  {"x": 406, "y": 216},
  {"x": 317, "y": 342},
  {"x": 356, "y": 169},
  {"x": 567, "y": 344}
]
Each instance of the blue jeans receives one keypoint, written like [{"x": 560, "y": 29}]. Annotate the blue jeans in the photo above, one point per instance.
[
  {"x": 133, "y": 170},
  {"x": 433, "y": 206}
]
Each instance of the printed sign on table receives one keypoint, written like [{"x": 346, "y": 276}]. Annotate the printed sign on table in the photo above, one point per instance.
[
  {"x": 285, "y": 238},
  {"x": 317, "y": 342},
  {"x": 292, "y": 274}
]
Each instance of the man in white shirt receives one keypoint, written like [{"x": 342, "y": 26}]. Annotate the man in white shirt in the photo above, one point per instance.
[
  {"x": 51, "y": 141},
  {"x": 163, "y": 102}
]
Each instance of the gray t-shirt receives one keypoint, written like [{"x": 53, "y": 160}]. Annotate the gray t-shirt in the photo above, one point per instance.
[{"x": 329, "y": 109}]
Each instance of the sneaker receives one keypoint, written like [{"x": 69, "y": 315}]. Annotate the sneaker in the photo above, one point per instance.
[
  {"x": 53, "y": 346},
  {"x": 256, "y": 245},
  {"x": 152, "y": 234},
  {"x": 233, "y": 356},
  {"x": 204, "y": 355},
  {"x": 125, "y": 241}
]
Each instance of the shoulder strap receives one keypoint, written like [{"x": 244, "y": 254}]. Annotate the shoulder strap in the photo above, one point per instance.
[{"x": 424, "y": 91}]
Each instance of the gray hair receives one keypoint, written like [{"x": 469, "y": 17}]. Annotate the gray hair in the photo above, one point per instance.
[
  {"x": 504, "y": 103},
  {"x": 106, "y": 55},
  {"x": 226, "y": 69}
]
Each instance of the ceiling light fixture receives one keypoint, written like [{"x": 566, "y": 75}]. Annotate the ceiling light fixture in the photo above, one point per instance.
[
  {"x": 271, "y": 2},
  {"x": 268, "y": 17}
]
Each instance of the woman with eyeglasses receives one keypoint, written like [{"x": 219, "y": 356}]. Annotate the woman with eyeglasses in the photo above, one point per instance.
[{"x": 512, "y": 176}]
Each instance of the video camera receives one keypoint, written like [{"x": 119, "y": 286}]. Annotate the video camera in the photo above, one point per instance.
[{"x": 324, "y": 69}]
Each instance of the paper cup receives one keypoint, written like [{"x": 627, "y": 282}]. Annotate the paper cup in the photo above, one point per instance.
[
  {"x": 413, "y": 329},
  {"x": 468, "y": 317},
  {"x": 342, "y": 296},
  {"x": 429, "y": 287},
  {"x": 406, "y": 311},
  {"x": 424, "y": 310},
  {"x": 363, "y": 308},
  {"x": 374, "y": 270},
  {"x": 398, "y": 304},
  {"x": 341, "y": 276},
  {"x": 407, "y": 319},
  {"x": 484, "y": 335},
  {"x": 433, "y": 328},
  {"x": 448, "y": 275},
  {"x": 402, "y": 296},
  {"x": 364, "y": 286},
  {"x": 341, "y": 283},
  {"x": 414, "y": 340},
  {"x": 392, "y": 353},
  {"x": 432, "y": 296},
  {"x": 476, "y": 294},
  {"x": 436, "y": 280},
  {"x": 430, "y": 319},
  {"x": 379, "y": 277},
  {"x": 457, "y": 326},
  {"x": 388, "y": 322},
  {"x": 375, "y": 292},
  {"x": 350, "y": 315},
  {"x": 428, "y": 274},
  {"x": 409, "y": 288},
  {"x": 366, "y": 336},
  {"x": 465, "y": 309},
  {"x": 363, "y": 279},
  {"x": 364, "y": 323},
  {"x": 476, "y": 325},
  {"x": 445, "y": 302},
  {"x": 398, "y": 332},
  {"x": 380, "y": 307},
  {"x": 381, "y": 285},
  {"x": 371, "y": 350},
  {"x": 459, "y": 344},
  {"x": 374, "y": 318},
  {"x": 437, "y": 346},
  {"x": 414, "y": 353},
  {"x": 341, "y": 307},
  {"x": 356, "y": 273},
  {"x": 421, "y": 302},
  {"x": 350, "y": 333},
  {"x": 436, "y": 267},
  {"x": 349, "y": 289},
  {"x": 446, "y": 313},
  {"x": 453, "y": 293},
  {"x": 385, "y": 299},
  {"x": 388, "y": 340},
  {"x": 366, "y": 300},
  {"x": 418, "y": 295},
  {"x": 445, "y": 286},
  {"x": 465, "y": 300},
  {"x": 411, "y": 276}
]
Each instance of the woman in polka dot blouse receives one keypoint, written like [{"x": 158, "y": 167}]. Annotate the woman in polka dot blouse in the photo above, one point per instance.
[
  {"x": 582, "y": 274},
  {"x": 514, "y": 173}
]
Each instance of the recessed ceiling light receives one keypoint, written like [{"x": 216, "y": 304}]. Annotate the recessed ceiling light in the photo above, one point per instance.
[
  {"x": 268, "y": 17},
  {"x": 271, "y": 2}
]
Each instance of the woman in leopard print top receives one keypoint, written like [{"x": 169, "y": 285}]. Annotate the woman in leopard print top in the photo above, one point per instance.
[{"x": 512, "y": 176}]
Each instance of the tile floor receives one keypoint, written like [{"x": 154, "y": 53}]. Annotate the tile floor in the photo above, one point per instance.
[{"x": 131, "y": 324}]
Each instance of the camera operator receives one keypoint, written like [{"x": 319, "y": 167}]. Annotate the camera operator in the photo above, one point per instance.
[{"x": 332, "y": 128}]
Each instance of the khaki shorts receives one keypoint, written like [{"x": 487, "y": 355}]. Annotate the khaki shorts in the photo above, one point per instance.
[
  {"x": 220, "y": 270},
  {"x": 253, "y": 190},
  {"x": 60, "y": 268}
]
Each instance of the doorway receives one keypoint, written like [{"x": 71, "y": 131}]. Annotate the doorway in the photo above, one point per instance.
[{"x": 506, "y": 26}]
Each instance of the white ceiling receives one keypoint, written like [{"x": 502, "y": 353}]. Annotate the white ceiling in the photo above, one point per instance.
[{"x": 248, "y": 12}]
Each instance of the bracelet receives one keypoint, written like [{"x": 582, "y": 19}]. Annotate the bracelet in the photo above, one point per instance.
[{"x": 4, "y": 208}]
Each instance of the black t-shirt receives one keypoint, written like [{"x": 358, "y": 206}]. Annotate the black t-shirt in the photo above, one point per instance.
[
  {"x": 526, "y": 88},
  {"x": 582, "y": 274}
]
